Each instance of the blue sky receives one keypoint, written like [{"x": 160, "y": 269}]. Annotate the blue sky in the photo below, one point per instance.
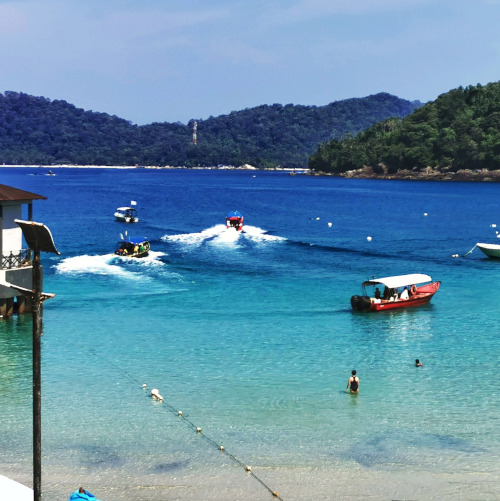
[{"x": 167, "y": 61}]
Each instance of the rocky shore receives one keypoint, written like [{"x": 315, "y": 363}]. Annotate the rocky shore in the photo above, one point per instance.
[{"x": 428, "y": 174}]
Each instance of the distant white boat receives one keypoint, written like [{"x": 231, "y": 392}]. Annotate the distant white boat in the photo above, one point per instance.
[
  {"x": 491, "y": 250},
  {"x": 127, "y": 214}
]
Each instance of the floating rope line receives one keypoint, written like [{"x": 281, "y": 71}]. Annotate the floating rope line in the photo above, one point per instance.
[
  {"x": 467, "y": 253},
  {"x": 155, "y": 394},
  {"x": 221, "y": 448}
]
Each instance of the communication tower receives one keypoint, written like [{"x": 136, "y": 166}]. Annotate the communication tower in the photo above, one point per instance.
[{"x": 195, "y": 129}]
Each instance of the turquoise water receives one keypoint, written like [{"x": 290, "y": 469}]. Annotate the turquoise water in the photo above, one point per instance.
[{"x": 252, "y": 336}]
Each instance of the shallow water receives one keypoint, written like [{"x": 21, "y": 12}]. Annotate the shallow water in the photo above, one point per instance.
[{"x": 252, "y": 336}]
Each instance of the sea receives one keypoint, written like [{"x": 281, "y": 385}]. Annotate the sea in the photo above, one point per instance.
[{"x": 250, "y": 339}]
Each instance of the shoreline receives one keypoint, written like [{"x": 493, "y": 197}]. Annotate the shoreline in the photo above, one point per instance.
[
  {"x": 428, "y": 174},
  {"x": 298, "y": 482}
]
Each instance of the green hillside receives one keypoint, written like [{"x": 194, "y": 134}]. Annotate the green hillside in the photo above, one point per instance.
[
  {"x": 459, "y": 130},
  {"x": 36, "y": 130}
]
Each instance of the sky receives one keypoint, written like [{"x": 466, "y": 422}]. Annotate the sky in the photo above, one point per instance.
[{"x": 171, "y": 61}]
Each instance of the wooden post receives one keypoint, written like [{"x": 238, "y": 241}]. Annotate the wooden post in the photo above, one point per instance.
[
  {"x": 37, "y": 379},
  {"x": 9, "y": 306}
]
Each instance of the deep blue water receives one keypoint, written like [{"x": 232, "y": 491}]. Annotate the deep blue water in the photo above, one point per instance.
[{"x": 252, "y": 336}]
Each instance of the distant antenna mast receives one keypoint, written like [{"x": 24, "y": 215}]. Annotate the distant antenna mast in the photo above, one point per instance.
[{"x": 195, "y": 129}]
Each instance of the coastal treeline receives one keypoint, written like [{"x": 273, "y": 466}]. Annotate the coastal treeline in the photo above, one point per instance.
[
  {"x": 459, "y": 130},
  {"x": 36, "y": 130}
]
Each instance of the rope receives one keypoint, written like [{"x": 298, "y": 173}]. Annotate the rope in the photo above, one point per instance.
[
  {"x": 470, "y": 251},
  {"x": 198, "y": 430}
]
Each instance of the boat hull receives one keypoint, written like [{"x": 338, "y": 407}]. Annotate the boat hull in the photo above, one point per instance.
[
  {"x": 134, "y": 254},
  {"x": 124, "y": 219},
  {"x": 491, "y": 250},
  {"x": 423, "y": 295}
]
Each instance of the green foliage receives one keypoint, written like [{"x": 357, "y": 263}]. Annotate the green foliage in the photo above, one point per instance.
[
  {"x": 35, "y": 130},
  {"x": 459, "y": 130}
]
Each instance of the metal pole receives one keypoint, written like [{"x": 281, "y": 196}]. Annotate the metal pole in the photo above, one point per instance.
[{"x": 37, "y": 378}]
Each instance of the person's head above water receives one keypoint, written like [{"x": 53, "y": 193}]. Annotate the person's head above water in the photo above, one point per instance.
[{"x": 353, "y": 372}]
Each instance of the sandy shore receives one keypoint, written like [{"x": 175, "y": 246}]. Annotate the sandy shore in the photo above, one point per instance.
[{"x": 230, "y": 482}]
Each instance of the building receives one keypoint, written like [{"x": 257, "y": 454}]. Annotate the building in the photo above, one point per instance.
[{"x": 16, "y": 263}]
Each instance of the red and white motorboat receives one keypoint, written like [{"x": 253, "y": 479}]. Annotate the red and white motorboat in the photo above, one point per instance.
[
  {"x": 401, "y": 291},
  {"x": 234, "y": 219}
]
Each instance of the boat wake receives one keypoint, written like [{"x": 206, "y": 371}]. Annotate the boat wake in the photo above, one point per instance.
[
  {"x": 109, "y": 264},
  {"x": 219, "y": 235}
]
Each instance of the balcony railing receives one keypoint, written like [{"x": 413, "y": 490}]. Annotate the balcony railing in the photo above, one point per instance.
[{"x": 22, "y": 258}]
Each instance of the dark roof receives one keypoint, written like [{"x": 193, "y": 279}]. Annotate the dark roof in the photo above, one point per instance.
[{"x": 7, "y": 193}]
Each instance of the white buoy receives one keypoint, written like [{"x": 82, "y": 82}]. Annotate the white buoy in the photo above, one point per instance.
[
  {"x": 425, "y": 213},
  {"x": 498, "y": 236},
  {"x": 317, "y": 219},
  {"x": 369, "y": 239},
  {"x": 454, "y": 255},
  {"x": 144, "y": 385},
  {"x": 180, "y": 413},
  {"x": 248, "y": 468},
  {"x": 330, "y": 224},
  {"x": 493, "y": 225},
  {"x": 198, "y": 430},
  {"x": 221, "y": 448},
  {"x": 156, "y": 394}
]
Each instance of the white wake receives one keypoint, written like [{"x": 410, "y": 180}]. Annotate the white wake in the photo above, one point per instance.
[{"x": 219, "y": 235}]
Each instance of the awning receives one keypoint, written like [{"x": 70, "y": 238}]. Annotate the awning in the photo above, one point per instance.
[{"x": 399, "y": 280}]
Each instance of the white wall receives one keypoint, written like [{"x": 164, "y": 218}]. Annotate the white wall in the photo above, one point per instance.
[{"x": 11, "y": 238}]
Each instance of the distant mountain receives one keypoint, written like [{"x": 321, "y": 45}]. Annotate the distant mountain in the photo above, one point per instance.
[
  {"x": 458, "y": 131},
  {"x": 36, "y": 130}
]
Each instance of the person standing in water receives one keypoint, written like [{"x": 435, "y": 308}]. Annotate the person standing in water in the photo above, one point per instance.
[
  {"x": 418, "y": 363},
  {"x": 353, "y": 383}
]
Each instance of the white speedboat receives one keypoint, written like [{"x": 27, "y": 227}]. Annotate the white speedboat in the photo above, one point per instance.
[
  {"x": 126, "y": 215},
  {"x": 491, "y": 250}
]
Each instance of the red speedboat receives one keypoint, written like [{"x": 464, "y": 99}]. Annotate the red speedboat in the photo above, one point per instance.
[
  {"x": 234, "y": 219},
  {"x": 389, "y": 293}
]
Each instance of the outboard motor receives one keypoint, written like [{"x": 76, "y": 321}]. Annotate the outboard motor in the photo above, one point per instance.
[{"x": 361, "y": 303}]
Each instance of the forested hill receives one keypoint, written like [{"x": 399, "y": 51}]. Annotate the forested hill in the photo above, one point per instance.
[
  {"x": 36, "y": 130},
  {"x": 459, "y": 130}
]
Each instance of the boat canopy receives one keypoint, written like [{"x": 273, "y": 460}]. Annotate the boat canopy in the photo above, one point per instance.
[
  {"x": 123, "y": 209},
  {"x": 399, "y": 280},
  {"x": 233, "y": 214},
  {"x": 134, "y": 240}
]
